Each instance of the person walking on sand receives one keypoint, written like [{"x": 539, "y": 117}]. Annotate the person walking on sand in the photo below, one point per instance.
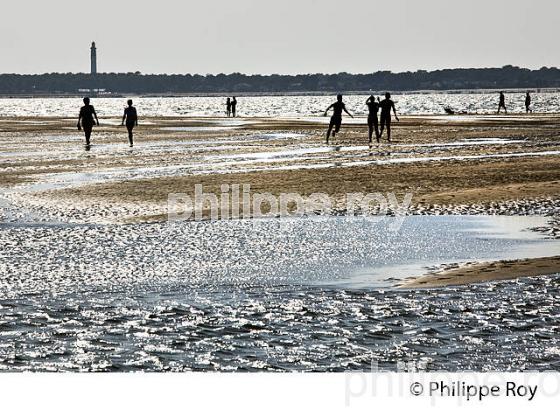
[
  {"x": 386, "y": 106},
  {"x": 502, "y": 103},
  {"x": 336, "y": 119},
  {"x": 131, "y": 118},
  {"x": 233, "y": 106},
  {"x": 528, "y": 103},
  {"x": 86, "y": 120},
  {"x": 373, "y": 124},
  {"x": 228, "y": 107}
]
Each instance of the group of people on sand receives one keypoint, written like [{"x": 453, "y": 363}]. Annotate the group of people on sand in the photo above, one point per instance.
[
  {"x": 387, "y": 106},
  {"x": 502, "y": 103},
  {"x": 374, "y": 105},
  {"x": 376, "y": 123},
  {"x": 231, "y": 106},
  {"x": 88, "y": 118}
]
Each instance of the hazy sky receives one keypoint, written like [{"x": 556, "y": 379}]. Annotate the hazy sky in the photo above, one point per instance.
[{"x": 283, "y": 36}]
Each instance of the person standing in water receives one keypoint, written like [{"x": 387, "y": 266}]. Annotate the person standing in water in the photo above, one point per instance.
[
  {"x": 386, "y": 106},
  {"x": 502, "y": 103},
  {"x": 373, "y": 124},
  {"x": 336, "y": 119},
  {"x": 228, "y": 107},
  {"x": 233, "y": 106},
  {"x": 528, "y": 103},
  {"x": 131, "y": 118},
  {"x": 86, "y": 120}
]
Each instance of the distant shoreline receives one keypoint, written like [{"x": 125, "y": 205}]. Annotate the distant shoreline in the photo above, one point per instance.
[
  {"x": 277, "y": 94},
  {"x": 507, "y": 77}
]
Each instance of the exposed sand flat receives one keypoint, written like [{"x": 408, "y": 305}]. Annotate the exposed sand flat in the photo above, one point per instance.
[
  {"x": 443, "y": 161},
  {"x": 485, "y": 272},
  {"x": 448, "y": 183},
  {"x": 504, "y": 165},
  {"x": 31, "y": 142}
]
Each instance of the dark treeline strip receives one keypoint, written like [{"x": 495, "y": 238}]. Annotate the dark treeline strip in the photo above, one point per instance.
[{"x": 137, "y": 83}]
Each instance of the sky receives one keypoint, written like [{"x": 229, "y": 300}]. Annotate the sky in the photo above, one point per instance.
[{"x": 283, "y": 36}]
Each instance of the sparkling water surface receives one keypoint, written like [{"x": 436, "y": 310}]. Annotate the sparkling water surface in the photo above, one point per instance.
[
  {"x": 279, "y": 106},
  {"x": 275, "y": 295},
  {"x": 313, "y": 295}
]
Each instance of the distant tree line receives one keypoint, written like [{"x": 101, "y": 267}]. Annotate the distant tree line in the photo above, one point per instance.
[{"x": 137, "y": 83}]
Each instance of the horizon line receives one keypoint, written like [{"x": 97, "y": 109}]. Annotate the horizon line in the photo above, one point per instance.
[{"x": 138, "y": 72}]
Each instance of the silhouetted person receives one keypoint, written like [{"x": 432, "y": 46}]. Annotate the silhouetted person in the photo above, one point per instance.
[
  {"x": 502, "y": 103},
  {"x": 86, "y": 120},
  {"x": 528, "y": 103},
  {"x": 373, "y": 123},
  {"x": 386, "y": 106},
  {"x": 131, "y": 118},
  {"x": 233, "y": 106},
  {"x": 228, "y": 107},
  {"x": 336, "y": 119}
]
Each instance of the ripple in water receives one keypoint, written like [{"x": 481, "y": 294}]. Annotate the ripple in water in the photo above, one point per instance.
[{"x": 265, "y": 296}]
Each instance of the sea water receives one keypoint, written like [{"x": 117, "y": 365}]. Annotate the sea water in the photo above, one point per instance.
[{"x": 294, "y": 295}]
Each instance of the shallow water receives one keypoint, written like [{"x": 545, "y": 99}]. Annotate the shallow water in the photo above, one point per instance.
[
  {"x": 270, "y": 295},
  {"x": 278, "y": 106},
  {"x": 250, "y": 162},
  {"x": 197, "y": 129},
  {"x": 312, "y": 295},
  {"x": 243, "y": 153}
]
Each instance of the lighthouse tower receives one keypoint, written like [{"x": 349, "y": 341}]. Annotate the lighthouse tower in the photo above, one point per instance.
[{"x": 93, "y": 59}]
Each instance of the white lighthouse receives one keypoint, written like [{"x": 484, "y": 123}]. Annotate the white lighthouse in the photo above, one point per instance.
[{"x": 93, "y": 59}]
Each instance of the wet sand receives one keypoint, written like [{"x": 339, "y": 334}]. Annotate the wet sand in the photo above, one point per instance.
[
  {"x": 458, "y": 164},
  {"x": 441, "y": 161},
  {"x": 485, "y": 272}
]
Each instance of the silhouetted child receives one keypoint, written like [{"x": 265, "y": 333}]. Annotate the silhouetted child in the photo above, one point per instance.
[
  {"x": 228, "y": 107},
  {"x": 386, "y": 106},
  {"x": 336, "y": 119},
  {"x": 131, "y": 118},
  {"x": 86, "y": 120},
  {"x": 373, "y": 123},
  {"x": 233, "y": 106},
  {"x": 528, "y": 103},
  {"x": 502, "y": 103}
]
